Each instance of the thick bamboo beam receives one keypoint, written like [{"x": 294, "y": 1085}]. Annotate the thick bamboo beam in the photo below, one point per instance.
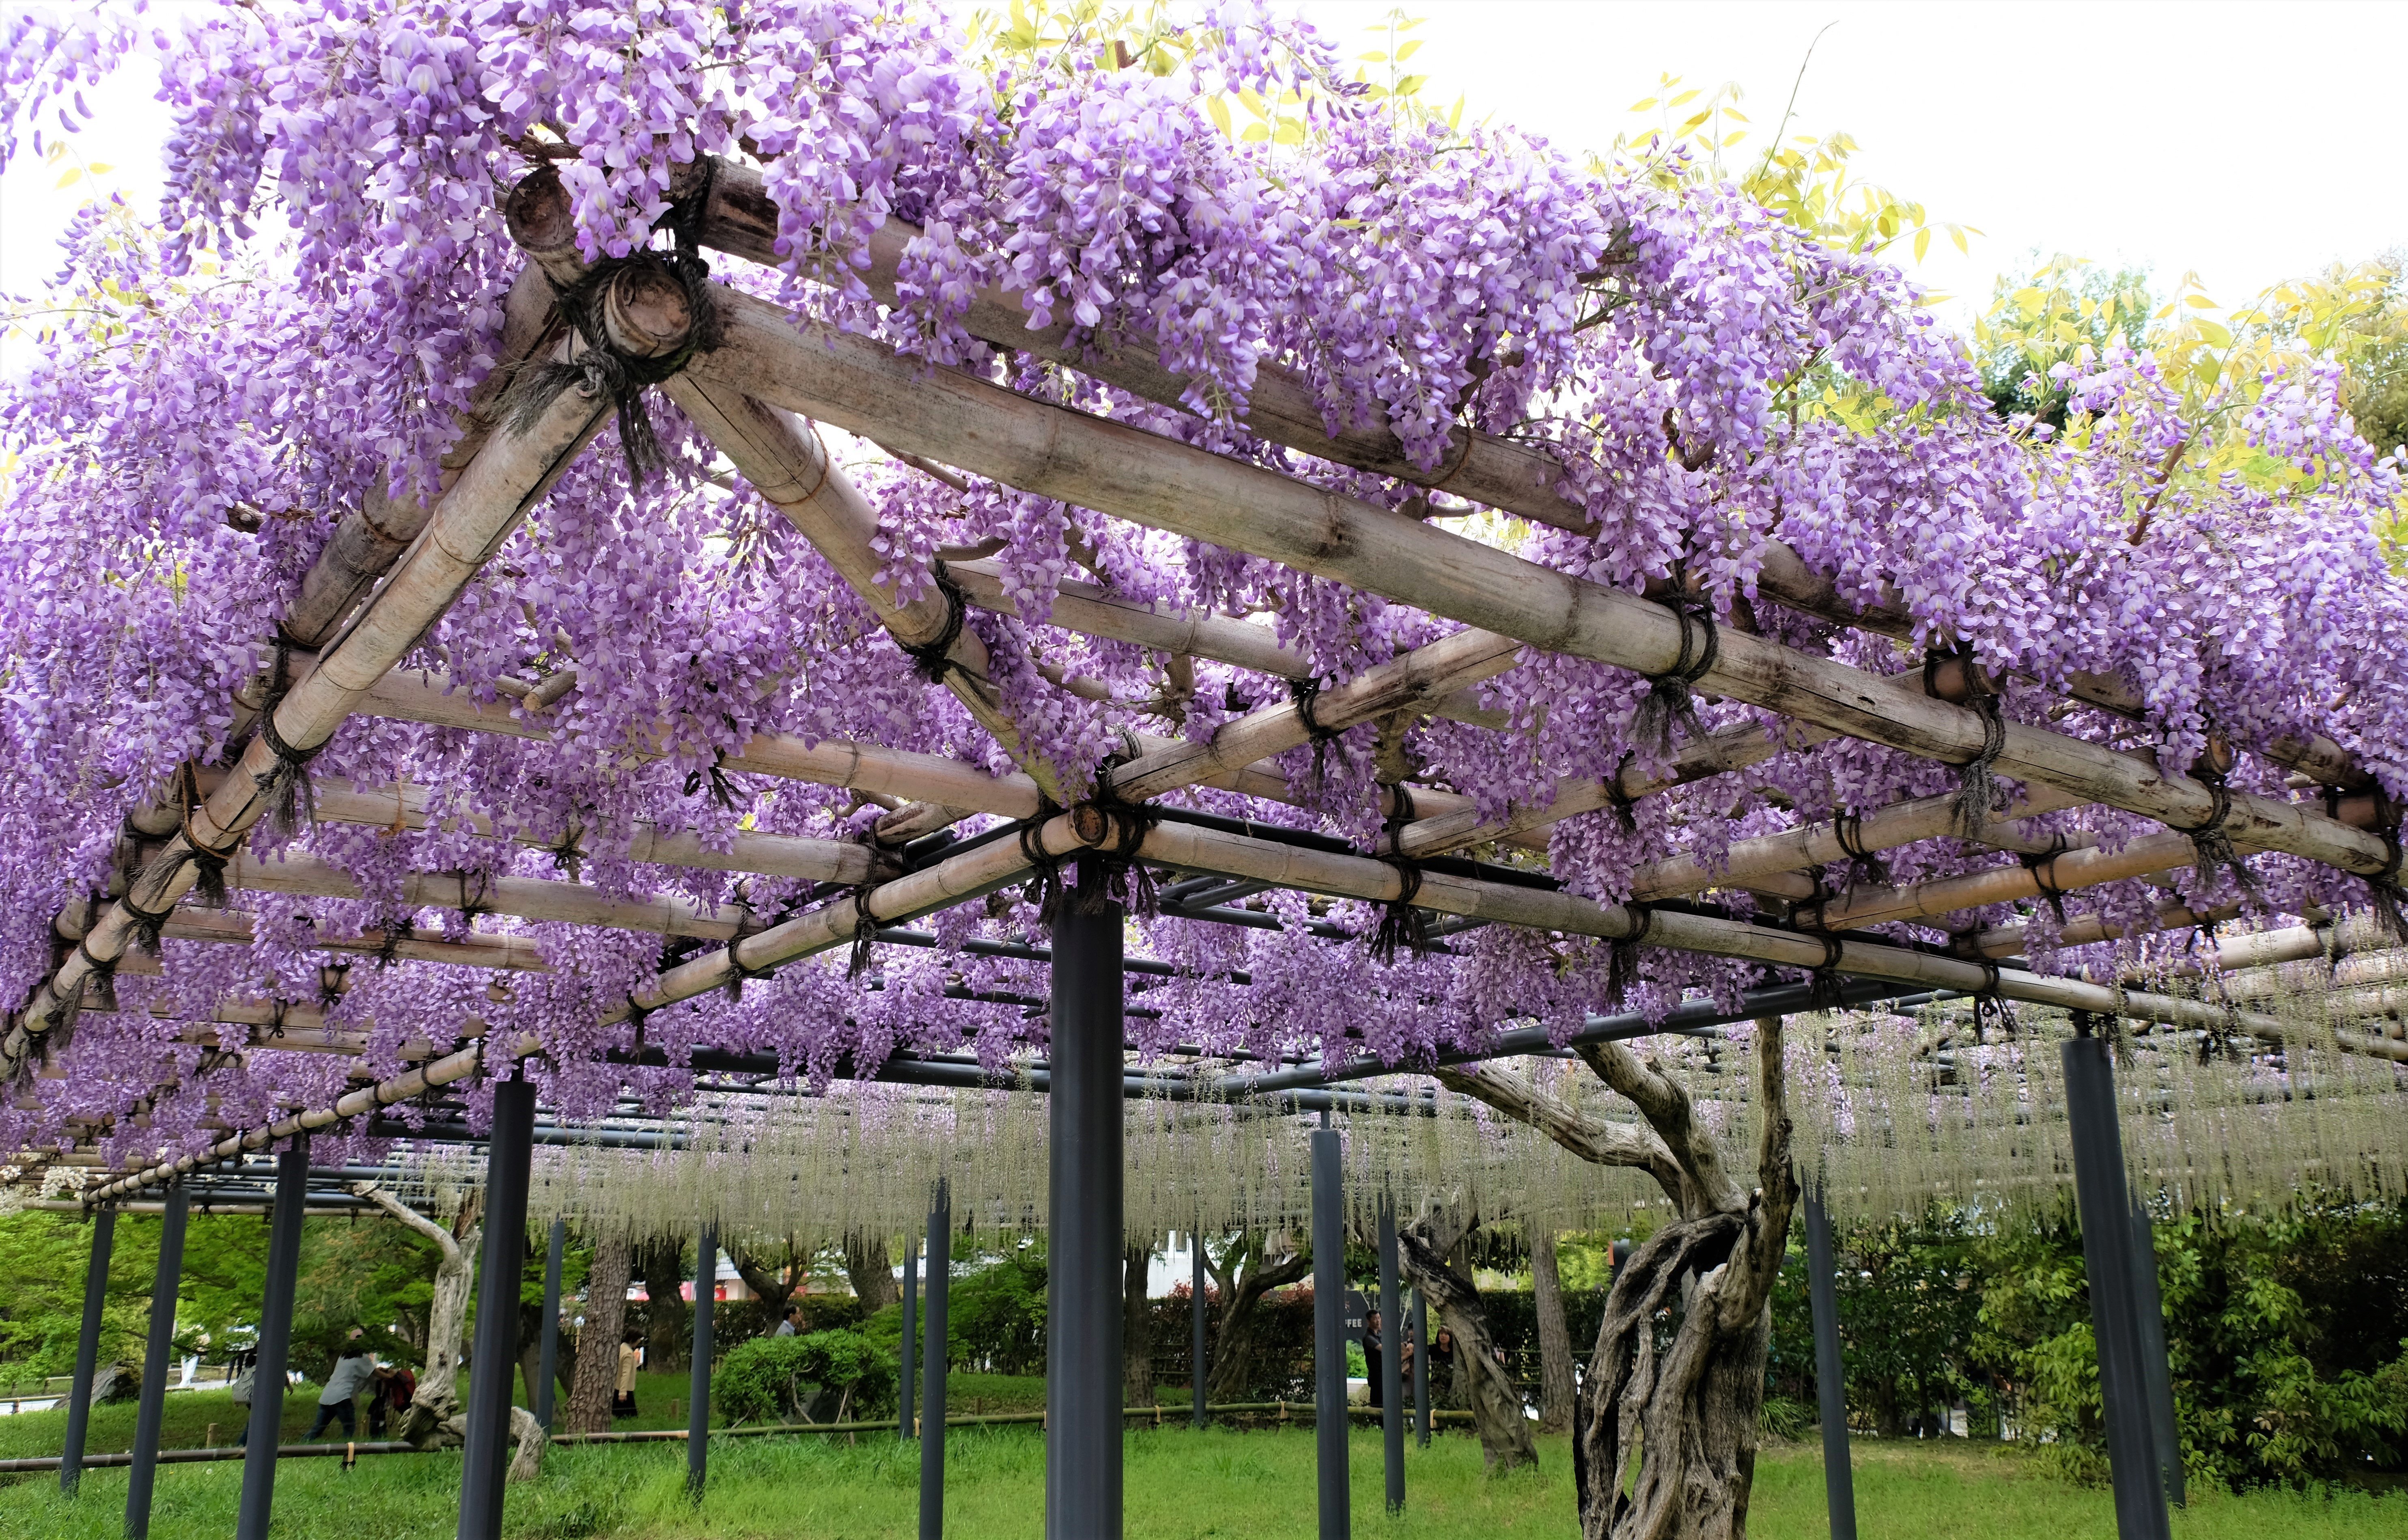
[
  {"x": 1516, "y": 476},
  {"x": 1123, "y": 472},
  {"x": 508, "y": 473}
]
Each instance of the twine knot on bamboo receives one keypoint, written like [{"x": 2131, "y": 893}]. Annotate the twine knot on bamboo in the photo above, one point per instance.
[
  {"x": 398, "y": 929},
  {"x": 2211, "y": 845},
  {"x": 209, "y": 862},
  {"x": 1401, "y": 921},
  {"x": 1044, "y": 885},
  {"x": 1822, "y": 990},
  {"x": 2042, "y": 867},
  {"x": 1952, "y": 675},
  {"x": 723, "y": 790},
  {"x": 1864, "y": 866},
  {"x": 1668, "y": 702},
  {"x": 865, "y": 933},
  {"x": 1625, "y": 806},
  {"x": 291, "y": 802},
  {"x": 1622, "y": 954},
  {"x": 750, "y": 924},
  {"x": 620, "y": 375},
  {"x": 933, "y": 658},
  {"x": 1112, "y": 871},
  {"x": 1990, "y": 1007},
  {"x": 2384, "y": 889},
  {"x": 1305, "y": 693}
]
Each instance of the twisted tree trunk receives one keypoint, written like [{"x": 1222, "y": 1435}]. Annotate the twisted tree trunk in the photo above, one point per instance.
[
  {"x": 1245, "y": 1272},
  {"x": 870, "y": 1266},
  {"x": 1690, "y": 1403},
  {"x": 434, "y": 1417},
  {"x": 596, "y": 1376},
  {"x": 1423, "y": 1246},
  {"x": 1137, "y": 1329},
  {"x": 1555, "y": 1336},
  {"x": 662, "y": 1266}
]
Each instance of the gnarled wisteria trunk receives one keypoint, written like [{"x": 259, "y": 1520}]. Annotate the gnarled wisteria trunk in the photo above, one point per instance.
[
  {"x": 436, "y": 1417},
  {"x": 1665, "y": 1428},
  {"x": 1425, "y": 1247}
]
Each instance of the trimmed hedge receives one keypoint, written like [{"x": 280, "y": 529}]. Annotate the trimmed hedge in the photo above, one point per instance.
[{"x": 804, "y": 1377}]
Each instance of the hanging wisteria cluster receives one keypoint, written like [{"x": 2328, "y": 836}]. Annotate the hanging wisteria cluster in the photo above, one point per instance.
[{"x": 301, "y": 328}]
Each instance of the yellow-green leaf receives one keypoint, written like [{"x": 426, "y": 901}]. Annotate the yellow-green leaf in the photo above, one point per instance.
[
  {"x": 1220, "y": 111},
  {"x": 1922, "y": 244},
  {"x": 73, "y": 176}
]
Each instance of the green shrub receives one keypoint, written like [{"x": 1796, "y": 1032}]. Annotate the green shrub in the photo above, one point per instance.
[
  {"x": 806, "y": 1377},
  {"x": 1786, "y": 1418}
]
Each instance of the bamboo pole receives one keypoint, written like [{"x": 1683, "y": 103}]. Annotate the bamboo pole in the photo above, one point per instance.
[
  {"x": 2065, "y": 871},
  {"x": 508, "y": 474},
  {"x": 1770, "y": 856},
  {"x": 523, "y": 898},
  {"x": 506, "y": 953},
  {"x": 1204, "y": 850},
  {"x": 1514, "y": 475},
  {"x": 1125, "y": 472}
]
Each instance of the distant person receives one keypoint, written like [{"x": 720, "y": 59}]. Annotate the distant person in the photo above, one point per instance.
[
  {"x": 1443, "y": 1360},
  {"x": 244, "y": 1367},
  {"x": 631, "y": 1358},
  {"x": 351, "y": 1373},
  {"x": 1373, "y": 1352},
  {"x": 787, "y": 1326},
  {"x": 394, "y": 1388}
]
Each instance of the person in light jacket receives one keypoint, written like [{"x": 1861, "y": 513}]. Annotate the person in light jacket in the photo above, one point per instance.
[
  {"x": 344, "y": 1382},
  {"x": 631, "y": 1358}
]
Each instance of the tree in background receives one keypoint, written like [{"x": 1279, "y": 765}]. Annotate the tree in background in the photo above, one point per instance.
[
  {"x": 597, "y": 1341},
  {"x": 870, "y": 1265},
  {"x": 1555, "y": 1336},
  {"x": 1137, "y": 1329},
  {"x": 1249, "y": 1265},
  {"x": 667, "y": 1337}
]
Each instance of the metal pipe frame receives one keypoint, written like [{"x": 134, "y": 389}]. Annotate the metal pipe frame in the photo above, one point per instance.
[
  {"x": 933, "y": 1361},
  {"x": 1335, "y": 1485},
  {"x": 87, "y": 1363},
  {"x": 1830, "y": 1383},
  {"x": 697, "y": 1395},
  {"x": 1084, "y": 1173},
  {"x": 486, "y": 1459},
  {"x": 160, "y": 1346},
  {"x": 1391, "y": 1390},
  {"x": 547, "y": 1354},
  {"x": 904, "y": 1388},
  {"x": 274, "y": 1341}
]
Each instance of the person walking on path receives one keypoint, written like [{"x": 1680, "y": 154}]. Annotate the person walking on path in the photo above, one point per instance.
[
  {"x": 786, "y": 1327},
  {"x": 346, "y": 1380}
]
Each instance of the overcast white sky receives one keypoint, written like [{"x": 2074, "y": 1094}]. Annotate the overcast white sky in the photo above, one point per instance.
[{"x": 2251, "y": 142}]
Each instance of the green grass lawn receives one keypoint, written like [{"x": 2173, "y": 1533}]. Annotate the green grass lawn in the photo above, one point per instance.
[{"x": 1180, "y": 1485}]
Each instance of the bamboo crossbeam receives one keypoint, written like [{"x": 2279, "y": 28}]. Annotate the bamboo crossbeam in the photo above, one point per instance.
[
  {"x": 508, "y": 954},
  {"x": 522, "y": 898},
  {"x": 2006, "y": 940},
  {"x": 1514, "y": 475},
  {"x": 1125, "y": 472},
  {"x": 2065, "y": 871},
  {"x": 471, "y": 519},
  {"x": 1095, "y": 612},
  {"x": 1770, "y": 855},
  {"x": 1204, "y": 850}
]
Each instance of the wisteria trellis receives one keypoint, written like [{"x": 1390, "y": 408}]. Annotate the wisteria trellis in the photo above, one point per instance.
[{"x": 303, "y": 331}]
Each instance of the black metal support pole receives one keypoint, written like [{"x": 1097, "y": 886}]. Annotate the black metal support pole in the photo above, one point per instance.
[
  {"x": 2105, "y": 1201},
  {"x": 1329, "y": 1335},
  {"x": 1421, "y": 1369},
  {"x": 1083, "y": 1178},
  {"x": 547, "y": 1364},
  {"x": 1392, "y": 1335},
  {"x": 2157, "y": 1373},
  {"x": 493, "y": 1365},
  {"x": 697, "y": 1395},
  {"x": 933, "y": 1364},
  {"x": 156, "y": 1352},
  {"x": 1196, "y": 1345},
  {"x": 1830, "y": 1382},
  {"x": 95, "y": 1300},
  {"x": 905, "y": 1385},
  {"x": 275, "y": 1341}
]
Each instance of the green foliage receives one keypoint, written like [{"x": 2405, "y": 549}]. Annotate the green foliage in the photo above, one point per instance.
[
  {"x": 2068, "y": 305},
  {"x": 817, "y": 1376},
  {"x": 996, "y": 1317}
]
